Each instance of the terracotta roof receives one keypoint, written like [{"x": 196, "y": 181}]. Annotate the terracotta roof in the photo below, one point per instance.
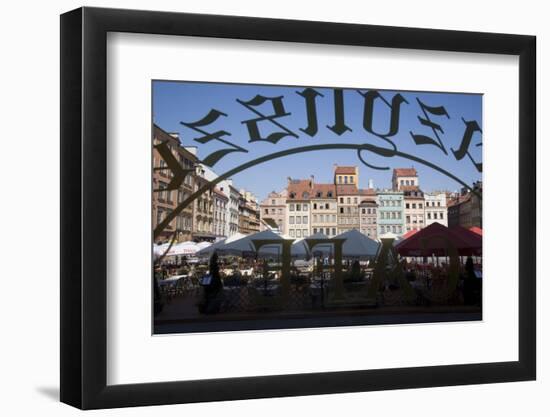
[
  {"x": 409, "y": 188},
  {"x": 404, "y": 172},
  {"x": 347, "y": 189},
  {"x": 299, "y": 187},
  {"x": 345, "y": 170},
  {"x": 324, "y": 189},
  {"x": 367, "y": 191}
]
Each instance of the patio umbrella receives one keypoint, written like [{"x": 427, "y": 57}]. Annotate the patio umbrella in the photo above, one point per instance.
[
  {"x": 399, "y": 240},
  {"x": 409, "y": 234},
  {"x": 300, "y": 248},
  {"x": 437, "y": 240},
  {"x": 158, "y": 250},
  {"x": 218, "y": 246},
  {"x": 358, "y": 245},
  {"x": 183, "y": 248},
  {"x": 203, "y": 245},
  {"x": 477, "y": 230},
  {"x": 245, "y": 244}
]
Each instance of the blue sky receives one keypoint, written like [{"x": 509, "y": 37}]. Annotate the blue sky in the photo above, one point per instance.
[{"x": 174, "y": 102}]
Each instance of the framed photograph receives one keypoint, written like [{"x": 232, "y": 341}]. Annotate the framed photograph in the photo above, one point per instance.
[{"x": 257, "y": 208}]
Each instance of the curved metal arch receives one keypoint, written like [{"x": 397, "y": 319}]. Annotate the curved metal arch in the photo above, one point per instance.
[{"x": 357, "y": 147}]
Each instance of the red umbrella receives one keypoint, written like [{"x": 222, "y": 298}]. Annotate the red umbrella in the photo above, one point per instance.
[
  {"x": 477, "y": 230},
  {"x": 439, "y": 240},
  {"x": 409, "y": 233}
]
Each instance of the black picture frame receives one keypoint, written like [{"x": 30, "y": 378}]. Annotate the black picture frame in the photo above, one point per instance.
[{"x": 84, "y": 207}]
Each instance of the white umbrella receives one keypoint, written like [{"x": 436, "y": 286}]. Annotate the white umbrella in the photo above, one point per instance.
[
  {"x": 218, "y": 246},
  {"x": 183, "y": 248},
  {"x": 300, "y": 248},
  {"x": 203, "y": 245},
  {"x": 358, "y": 245},
  {"x": 245, "y": 244},
  {"x": 158, "y": 250}
]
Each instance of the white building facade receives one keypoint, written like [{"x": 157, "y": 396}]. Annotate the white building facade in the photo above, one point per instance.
[{"x": 435, "y": 208}]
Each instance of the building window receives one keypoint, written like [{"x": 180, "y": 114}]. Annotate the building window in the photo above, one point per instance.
[
  {"x": 345, "y": 179},
  {"x": 291, "y": 220},
  {"x": 272, "y": 202},
  {"x": 298, "y": 207},
  {"x": 292, "y": 233},
  {"x": 298, "y": 220},
  {"x": 306, "y": 207},
  {"x": 304, "y": 220},
  {"x": 341, "y": 210},
  {"x": 159, "y": 215},
  {"x": 314, "y": 230},
  {"x": 298, "y": 233},
  {"x": 292, "y": 207},
  {"x": 334, "y": 231}
]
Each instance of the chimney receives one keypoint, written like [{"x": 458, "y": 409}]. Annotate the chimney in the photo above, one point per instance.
[
  {"x": 192, "y": 149},
  {"x": 371, "y": 183}
]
